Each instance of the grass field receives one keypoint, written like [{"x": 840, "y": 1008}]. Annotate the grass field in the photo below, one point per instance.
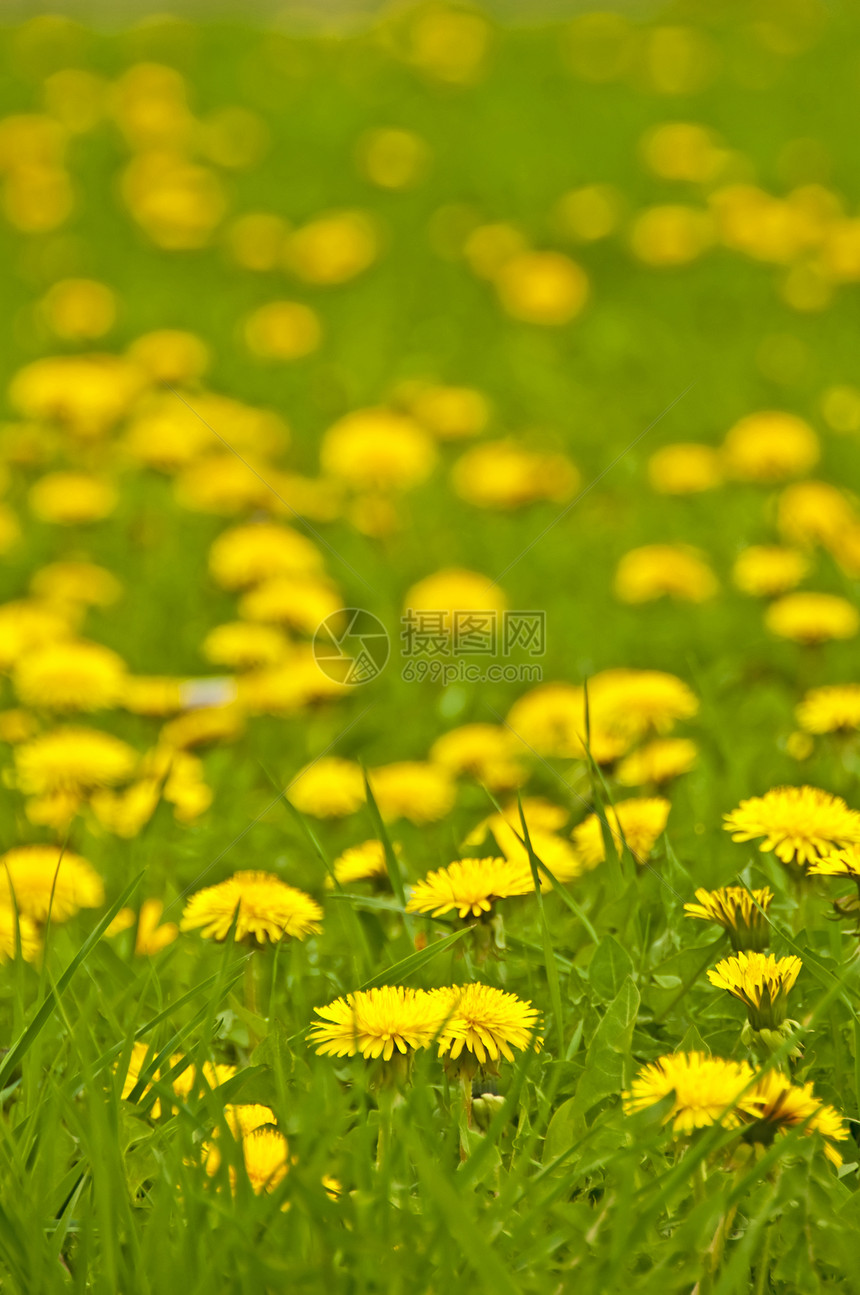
[{"x": 533, "y": 339}]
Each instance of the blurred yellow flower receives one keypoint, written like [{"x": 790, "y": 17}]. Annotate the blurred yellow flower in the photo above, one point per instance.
[
  {"x": 301, "y": 602},
  {"x": 503, "y": 474},
  {"x": 14, "y": 934},
  {"x": 767, "y": 570},
  {"x": 72, "y": 498},
  {"x": 664, "y": 570},
  {"x": 268, "y": 910},
  {"x": 410, "y": 789},
  {"x": 812, "y": 618},
  {"x": 486, "y": 752},
  {"x": 450, "y": 45},
  {"x": 257, "y": 240},
  {"x": 683, "y": 150},
  {"x": 684, "y": 469},
  {"x": 247, "y": 555},
  {"x": 45, "y": 879},
  {"x": 72, "y": 760},
  {"x": 453, "y": 594},
  {"x": 830, "y": 708},
  {"x": 170, "y": 355},
  {"x": 450, "y": 413},
  {"x": 70, "y": 675},
  {"x": 636, "y": 824},
  {"x": 392, "y": 158},
  {"x": 151, "y": 937},
  {"x": 87, "y": 394},
  {"x": 770, "y": 446},
  {"x": 243, "y": 645},
  {"x": 328, "y": 788},
  {"x": 204, "y": 724},
  {"x": 840, "y": 407},
  {"x": 813, "y": 512},
  {"x": 365, "y": 862},
  {"x": 283, "y": 330},
  {"x": 377, "y": 449},
  {"x": 78, "y": 582},
  {"x": 333, "y": 248},
  {"x": 589, "y": 213},
  {"x": 671, "y": 235},
  {"x": 542, "y": 287},
  {"x": 659, "y": 761},
  {"x": 79, "y": 309}
]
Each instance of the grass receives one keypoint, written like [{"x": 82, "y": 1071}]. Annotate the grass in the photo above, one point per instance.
[{"x": 553, "y": 1187}]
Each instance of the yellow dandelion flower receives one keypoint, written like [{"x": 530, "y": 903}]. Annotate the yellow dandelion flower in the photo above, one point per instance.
[
  {"x": 125, "y": 813},
  {"x": 266, "y": 1155},
  {"x": 171, "y": 355},
  {"x": 812, "y": 618},
  {"x": 450, "y": 413},
  {"x": 377, "y": 1023},
  {"x": 33, "y": 872},
  {"x": 154, "y": 695},
  {"x": 243, "y": 645},
  {"x": 268, "y": 909},
  {"x": 27, "y": 933},
  {"x": 283, "y": 330},
  {"x": 659, "y": 761},
  {"x": 799, "y": 824},
  {"x": 450, "y": 45},
  {"x": 204, "y": 725},
  {"x": 241, "y": 1121},
  {"x": 79, "y": 310},
  {"x": 410, "y": 789},
  {"x": 217, "y": 484},
  {"x": 453, "y": 595},
  {"x": 546, "y": 288},
  {"x": 70, "y": 675},
  {"x": 664, "y": 571},
  {"x": 27, "y": 624},
  {"x": 71, "y": 498},
  {"x": 378, "y": 449},
  {"x": 72, "y": 760},
  {"x": 301, "y": 602},
  {"x": 87, "y": 394},
  {"x": 333, "y": 248},
  {"x": 247, "y": 555},
  {"x": 766, "y": 571},
  {"x": 770, "y": 446},
  {"x": 504, "y": 475},
  {"x": 671, "y": 234},
  {"x": 829, "y": 709},
  {"x": 590, "y": 213},
  {"x": 486, "y": 1022},
  {"x": 391, "y": 158},
  {"x": 841, "y": 863},
  {"x": 256, "y": 240},
  {"x": 682, "y": 150},
  {"x": 76, "y": 582},
  {"x": 469, "y": 886},
  {"x": 776, "y": 1105},
  {"x": 638, "y": 822},
  {"x": 328, "y": 788},
  {"x": 486, "y": 752},
  {"x": 553, "y": 851},
  {"x": 761, "y": 981},
  {"x": 152, "y": 934},
  {"x": 17, "y": 726},
  {"x": 813, "y": 512},
  {"x": 365, "y": 862},
  {"x": 684, "y": 469},
  {"x": 735, "y": 909},
  {"x": 706, "y": 1090}
]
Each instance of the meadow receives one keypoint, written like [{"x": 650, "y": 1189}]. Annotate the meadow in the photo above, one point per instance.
[{"x": 429, "y": 569}]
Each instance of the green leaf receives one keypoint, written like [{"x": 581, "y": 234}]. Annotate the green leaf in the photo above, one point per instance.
[
  {"x": 604, "y": 1073},
  {"x": 609, "y": 968},
  {"x": 407, "y": 967}
]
